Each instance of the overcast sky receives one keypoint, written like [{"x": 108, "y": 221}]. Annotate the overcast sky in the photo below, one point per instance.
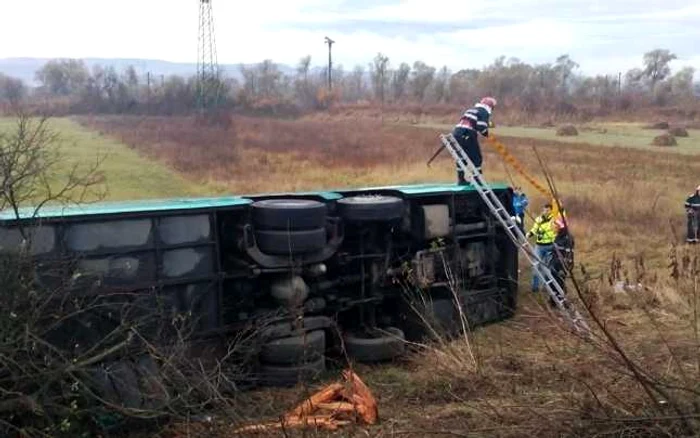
[{"x": 602, "y": 36}]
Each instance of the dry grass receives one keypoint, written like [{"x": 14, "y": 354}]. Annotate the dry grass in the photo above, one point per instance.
[
  {"x": 620, "y": 200},
  {"x": 509, "y": 113},
  {"x": 530, "y": 378},
  {"x": 625, "y": 209},
  {"x": 255, "y": 154},
  {"x": 630, "y": 135}
]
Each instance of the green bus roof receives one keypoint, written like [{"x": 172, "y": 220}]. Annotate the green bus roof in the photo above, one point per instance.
[
  {"x": 427, "y": 189},
  {"x": 174, "y": 204},
  {"x": 140, "y": 206},
  {"x": 325, "y": 195},
  {"x": 406, "y": 189}
]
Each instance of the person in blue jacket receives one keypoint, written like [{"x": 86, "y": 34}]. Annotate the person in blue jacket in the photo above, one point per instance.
[{"x": 520, "y": 203}]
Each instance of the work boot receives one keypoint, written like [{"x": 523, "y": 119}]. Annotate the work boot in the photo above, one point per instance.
[{"x": 460, "y": 179}]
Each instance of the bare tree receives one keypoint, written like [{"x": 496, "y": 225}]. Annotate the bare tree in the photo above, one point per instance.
[
  {"x": 510, "y": 78},
  {"x": 379, "y": 73},
  {"x": 250, "y": 81},
  {"x": 302, "y": 84},
  {"x": 440, "y": 86},
  {"x": 462, "y": 85},
  {"x": 270, "y": 79},
  {"x": 303, "y": 69},
  {"x": 354, "y": 86},
  {"x": 131, "y": 81},
  {"x": 682, "y": 82},
  {"x": 421, "y": 78},
  {"x": 633, "y": 79},
  {"x": 399, "y": 79},
  {"x": 338, "y": 73},
  {"x": 63, "y": 77},
  {"x": 656, "y": 66},
  {"x": 12, "y": 89},
  {"x": 33, "y": 169},
  {"x": 564, "y": 67}
]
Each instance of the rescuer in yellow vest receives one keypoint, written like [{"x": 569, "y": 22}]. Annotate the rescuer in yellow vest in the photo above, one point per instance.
[{"x": 544, "y": 233}]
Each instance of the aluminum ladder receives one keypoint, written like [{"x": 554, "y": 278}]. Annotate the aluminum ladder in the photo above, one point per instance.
[{"x": 516, "y": 235}]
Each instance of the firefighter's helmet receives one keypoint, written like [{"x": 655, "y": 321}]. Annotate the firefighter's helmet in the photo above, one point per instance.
[{"x": 489, "y": 101}]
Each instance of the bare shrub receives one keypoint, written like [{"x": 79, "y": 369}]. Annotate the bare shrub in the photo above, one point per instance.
[
  {"x": 75, "y": 356},
  {"x": 72, "y": 362}
]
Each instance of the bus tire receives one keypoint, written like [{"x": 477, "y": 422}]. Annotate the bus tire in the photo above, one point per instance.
[
  {"x": 289, "y": 214},
  {"x": 380, "y": 348},
  {"x": 371, "y": 208}
]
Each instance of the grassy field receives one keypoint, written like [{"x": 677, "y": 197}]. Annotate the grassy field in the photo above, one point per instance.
[
  {"x": 622, "y": 200},
  {"x": 605, "y": 134},
  {"x": 128, "y": 175},
  {"x": 527, "y": 376}
]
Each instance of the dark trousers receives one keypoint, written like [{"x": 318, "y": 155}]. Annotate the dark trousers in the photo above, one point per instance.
[
  {"x": 468, "y": 140},
  {"x": 693, "y": 223},
  {"x": 545, "y": 254}
]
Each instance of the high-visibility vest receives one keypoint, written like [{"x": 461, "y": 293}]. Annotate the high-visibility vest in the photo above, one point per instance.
[{"x": 543, "y": 230}]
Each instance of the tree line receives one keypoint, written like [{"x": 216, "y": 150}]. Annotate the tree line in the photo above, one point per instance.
[{"x": 531, "y": 87}]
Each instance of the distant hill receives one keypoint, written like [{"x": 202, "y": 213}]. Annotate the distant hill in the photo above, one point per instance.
[{"x": 25, "y": 68}]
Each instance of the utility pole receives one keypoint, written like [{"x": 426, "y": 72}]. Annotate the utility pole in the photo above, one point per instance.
[
  {"x": 330, "y": 62},
  {"x": 619, "y": 83},
  {"x": 148, "y": 87}
]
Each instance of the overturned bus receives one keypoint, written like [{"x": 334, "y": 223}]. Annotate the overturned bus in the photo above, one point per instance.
[{"x": 362, "y": 268}]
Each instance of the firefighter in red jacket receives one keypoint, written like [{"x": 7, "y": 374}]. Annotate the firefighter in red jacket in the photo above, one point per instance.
[{"x": 474, "y": 121}]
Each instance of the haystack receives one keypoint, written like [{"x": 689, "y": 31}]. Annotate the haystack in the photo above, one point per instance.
[
  {"x": 678, "y": 132},
  {"x": 664, "y": 140},
  {"x": 567, "y": 131},
  {"x": 657, "y": 125}
]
